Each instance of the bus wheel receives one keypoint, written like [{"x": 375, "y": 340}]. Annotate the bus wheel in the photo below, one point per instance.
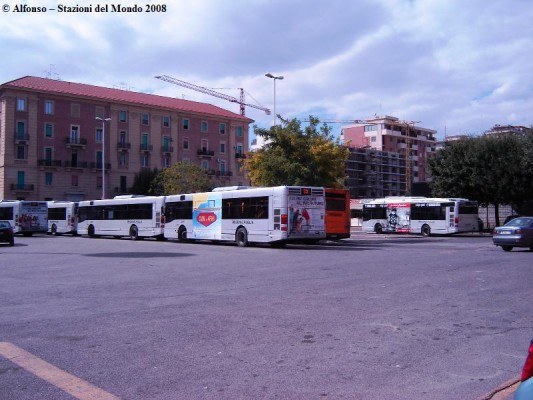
[
  {"x": 241, "y": 237},
  {"x": 134, "y": 233},
  {"x": 90, "y": 231},
  {"x": 182, "y": 234},
  {"x": 426, "y": 230},
  {"x": 54, "y": 230},
  {"x": 378, "y": 228},
  {"x": 507, "y": 248}
]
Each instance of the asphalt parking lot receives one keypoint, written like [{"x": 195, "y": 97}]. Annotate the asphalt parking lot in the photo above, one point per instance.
[{"x": 373, "y": 317}]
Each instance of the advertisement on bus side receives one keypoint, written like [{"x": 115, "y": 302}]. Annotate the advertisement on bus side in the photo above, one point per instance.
[
  {"x": 33, "y": 217},
  {"x": 207, "y": 216},
  {"x": 306, "y": 215},
  {"x": 398, "y": 218}
]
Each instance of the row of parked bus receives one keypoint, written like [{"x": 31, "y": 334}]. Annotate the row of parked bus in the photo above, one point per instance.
[{"x": 275, "y": 215}]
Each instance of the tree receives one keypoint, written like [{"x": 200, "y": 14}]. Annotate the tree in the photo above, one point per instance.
[
  {"x": 143, "y": 180},
  {"x": 182, "y": 177},
  {"x": 292, "y": 156},
  {"x": 491, "y": 169}
]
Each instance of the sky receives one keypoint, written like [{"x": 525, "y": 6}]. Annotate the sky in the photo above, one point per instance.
[{"x": 456, "y": 66}]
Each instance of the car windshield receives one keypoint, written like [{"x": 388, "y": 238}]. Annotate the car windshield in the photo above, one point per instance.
[{"x": 522, "y": 222}]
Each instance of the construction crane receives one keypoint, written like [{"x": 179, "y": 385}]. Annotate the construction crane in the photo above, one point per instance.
[{"x": 211, "y": 92}]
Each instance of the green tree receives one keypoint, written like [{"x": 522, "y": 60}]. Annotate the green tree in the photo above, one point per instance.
[
  {"x": 143, "y": 181},
  {"x": 182, "y": 177},
  {"x": 296, "y": 156},
  {"x": 490, "y": 169}
]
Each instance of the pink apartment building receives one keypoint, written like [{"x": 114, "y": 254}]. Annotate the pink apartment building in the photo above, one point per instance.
[{"x": 52, "y": 135}]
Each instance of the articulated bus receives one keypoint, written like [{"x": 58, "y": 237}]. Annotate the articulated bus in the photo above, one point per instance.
[
  {"x": 275, "y": 215},
  {"x": 26, "y": 217},
  {"x": 426, "y": 216},
  {"x": 135, "y": 216},
  {"x": 338, "y": 220},
  {"x": 62, "y": 217}
]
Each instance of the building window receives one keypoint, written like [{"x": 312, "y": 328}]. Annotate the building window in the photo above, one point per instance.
[
  {"x": 145, "y": 119},
  {"x": 75, "y": 110},
  {"x": 185, "y": 142},
  {"x": 123, "y": 184},
  {"x": 238, "y": 131},
  {"x": 48, "y": 176},
  {"x": 239, "y": 149},
  {"x": 48, "y": 107},
  {"x": 222, "y": 128},
  {"x": 21, "y": 130},
  {"x": 99, "y": 182},
  {"x": 48, "y": 154},
  {"x": 145, "y": 141},
  {"x": 21, "y": 104},
  {"x": 74, "y": 180},
  {"x": 204, "y": 126},
  {"x": 98, "y": 159},
  {"x": 99, "y": 112},
  {"x": 166, "y": 162},
  {"x": 145, "y": 160},
  {"x": 373, "y": 138},
  {"x": 123, "y": 160},
  {"x": 122, "y": 116},
  {"x": 48, "y": 130},
  {"x": 222, "y": 167},
  {"x": 166, "y": 121},
  {"x": 222, "y": 147},
  {"x": 98, "y": 135},
  {"x": 185, "y": 124},
  {"x": 204, "y": 165},
  {"x": 74, "y": 134},
  {"x": 21, "y": 153}
]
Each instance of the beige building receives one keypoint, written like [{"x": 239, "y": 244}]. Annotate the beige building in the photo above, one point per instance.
[{"x": 54, "y": 136}]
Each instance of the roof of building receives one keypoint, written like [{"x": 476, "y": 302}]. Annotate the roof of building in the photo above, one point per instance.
[{"x": 58, "y": 87}]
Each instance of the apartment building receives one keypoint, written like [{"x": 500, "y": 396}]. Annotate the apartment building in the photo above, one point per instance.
[
  {"x": 57, "y": 137},
  {"x": 400, "y": 149}
]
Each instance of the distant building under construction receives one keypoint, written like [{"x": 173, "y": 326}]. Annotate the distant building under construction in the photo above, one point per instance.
[{"x": 387, "y": 156}]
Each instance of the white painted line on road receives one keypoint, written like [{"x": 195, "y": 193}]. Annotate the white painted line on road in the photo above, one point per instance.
[{"x": 71, "y": 384}]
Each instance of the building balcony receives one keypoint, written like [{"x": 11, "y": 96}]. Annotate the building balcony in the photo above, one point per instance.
[
  {"x": 205, "y": 153},
  {"x": 76, "y": 164},
  {"x": 224, "y": 173},
  {"x": 98, "y": 166},
  {"x": 72, "y": 142},
  {"x": 17, "y": 187},
  {"x": 49, "y": 163},
  {"x": 146, "y": 147},
  {"x": 123, "y": 146},
  {"x": 21, "y": 138},
  {"x": 240, "y": 155},
  {"x": 167, "y": 149}
]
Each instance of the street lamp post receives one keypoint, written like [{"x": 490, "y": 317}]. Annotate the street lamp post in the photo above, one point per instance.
[
  {"x": 104, "y": 120},
  {"x": 269, "y": 75}
]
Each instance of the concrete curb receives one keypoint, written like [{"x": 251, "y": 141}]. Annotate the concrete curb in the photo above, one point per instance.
[{"x": 504, "y": 386}]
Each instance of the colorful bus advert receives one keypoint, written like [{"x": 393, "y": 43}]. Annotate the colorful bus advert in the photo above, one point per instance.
[
  {"x": 207, "y": 216},
  {"x": 398, "y": 217},
  {"x": 306, "y": 215}
]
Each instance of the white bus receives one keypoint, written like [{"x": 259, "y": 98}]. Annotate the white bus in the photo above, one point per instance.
[
  {"x": 275, "y": 215},
  {"x": 62, "y": 217},
  {"x": 138, "y": 217},
  {"x": 423, "y": 215},
  {"x": 26, "y": 217}
]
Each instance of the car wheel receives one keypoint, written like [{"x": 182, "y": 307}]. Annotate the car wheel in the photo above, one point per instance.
[
  {"x": 241, "y": 237},
  {"x": 90, "y": 231},
  {"x": 134, "y": 233},
  {"x": 507, "y": 248},
  {"x": 425, "y": 231},
  {"x": 54, "y": 230},
  {"x": 12, "y": 242},
  {"x": 378, "y": 228}
]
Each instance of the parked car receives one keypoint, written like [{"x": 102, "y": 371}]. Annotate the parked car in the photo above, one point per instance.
[
  {"x": 6, "y": 233},
  {"x": 525, "y": 390},
  {"x": 517, "y": 232}
]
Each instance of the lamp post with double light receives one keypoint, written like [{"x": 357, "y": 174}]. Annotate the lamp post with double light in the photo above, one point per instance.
[
  {"x": 104, "y": 120},
  {"x": 269, "y": 75}
]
